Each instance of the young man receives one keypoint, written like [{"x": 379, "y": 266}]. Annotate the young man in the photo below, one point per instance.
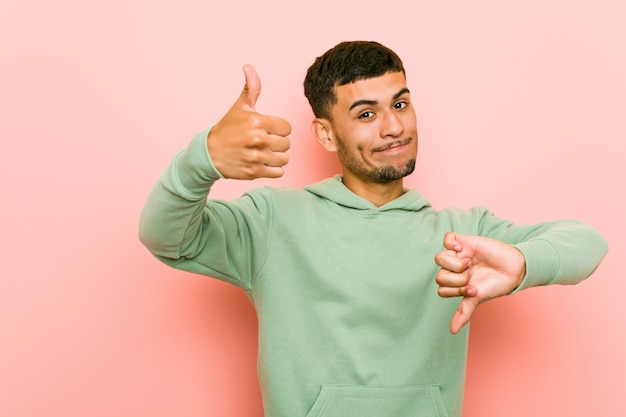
[{"x": 356, "y": 280}]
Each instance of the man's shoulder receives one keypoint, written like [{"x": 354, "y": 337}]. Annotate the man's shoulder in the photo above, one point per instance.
[
  {"x": 284, "y": 193},
  {"x": 292, "y": 190}
]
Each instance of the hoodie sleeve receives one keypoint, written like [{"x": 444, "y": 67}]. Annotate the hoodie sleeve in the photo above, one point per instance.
[
  {"x": 225, "y": 240},
  {"x": 558, "y": 252}
]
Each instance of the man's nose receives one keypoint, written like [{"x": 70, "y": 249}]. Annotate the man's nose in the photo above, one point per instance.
[{"x": 391, "y": 125}]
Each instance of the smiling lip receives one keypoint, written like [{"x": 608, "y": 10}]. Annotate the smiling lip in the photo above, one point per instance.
[{"x": 393, "y": 145}]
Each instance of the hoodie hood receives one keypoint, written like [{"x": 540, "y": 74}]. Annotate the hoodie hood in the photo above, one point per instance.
[{"x": 334, "y": 190}]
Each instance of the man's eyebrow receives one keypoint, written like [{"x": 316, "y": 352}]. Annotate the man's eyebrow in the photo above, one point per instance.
[
  {"x": 373, "y": 102},
  {"x": 361, "y": 103},
  {"x": 401, "y": 92}
]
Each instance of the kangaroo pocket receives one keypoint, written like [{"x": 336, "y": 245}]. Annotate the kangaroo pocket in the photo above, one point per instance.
[{"x": 367, "y": 401}]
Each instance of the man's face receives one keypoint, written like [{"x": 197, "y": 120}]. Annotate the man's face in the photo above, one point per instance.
[{"x": 374, "y": 129}]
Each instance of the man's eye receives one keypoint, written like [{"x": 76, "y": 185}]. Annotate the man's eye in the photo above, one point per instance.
[
  {"x": 400, "y": 105},
  {"x": 366, "y": 115}
]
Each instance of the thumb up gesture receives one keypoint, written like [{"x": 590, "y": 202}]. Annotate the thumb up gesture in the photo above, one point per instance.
[{"x": 245, "y": 144}]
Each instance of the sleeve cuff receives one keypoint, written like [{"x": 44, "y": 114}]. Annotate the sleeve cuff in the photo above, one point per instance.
[
  {"x": 543, "y": 263},
  {"x": 193, "y": 171}
]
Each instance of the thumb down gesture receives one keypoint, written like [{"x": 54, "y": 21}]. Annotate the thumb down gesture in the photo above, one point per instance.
[{"x": 477, "y": 269}]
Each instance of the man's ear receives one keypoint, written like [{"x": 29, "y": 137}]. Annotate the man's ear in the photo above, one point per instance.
[{"x": 323, "y": 133}]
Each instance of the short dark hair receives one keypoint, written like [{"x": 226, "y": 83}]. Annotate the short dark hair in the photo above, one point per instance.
[{"x": 345, "y": 63}]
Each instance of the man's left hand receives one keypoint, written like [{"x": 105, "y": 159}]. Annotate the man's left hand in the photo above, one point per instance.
[{"x": 478, "y": 269}]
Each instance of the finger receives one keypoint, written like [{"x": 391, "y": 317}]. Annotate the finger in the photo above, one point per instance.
[
  {"x": 462, "y": 316},
  {"x": 448, "y": 259},
  {"x": 266, "y": 164},
  {"x": 446, "y": 278},
  {"x": 255, "y": 160},
  {"x": 252, "y": 88},
  {"x": 452, "y": 242},
  {"x": 272, "y": 172},
  {"x": 276, "y": 159},
  {"x": 277, "y": 143},
  {"x": 461, "y": 291},
  {"x": 277, "y": 126}
]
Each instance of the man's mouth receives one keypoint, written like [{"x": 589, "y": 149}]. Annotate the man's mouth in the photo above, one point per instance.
[{"x": 392, "y": 145}]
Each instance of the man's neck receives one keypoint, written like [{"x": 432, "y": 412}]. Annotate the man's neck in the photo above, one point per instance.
[{"x": 377, "y": 193}]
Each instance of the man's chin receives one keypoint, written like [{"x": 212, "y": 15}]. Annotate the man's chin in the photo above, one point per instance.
[{"x": 390, "y": 173}]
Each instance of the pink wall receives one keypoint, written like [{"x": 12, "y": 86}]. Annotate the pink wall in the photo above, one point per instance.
[{"x": 521, "y": 108}]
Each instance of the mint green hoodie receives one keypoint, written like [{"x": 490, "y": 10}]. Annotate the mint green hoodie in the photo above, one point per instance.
[{"x": 350, "y": 323}]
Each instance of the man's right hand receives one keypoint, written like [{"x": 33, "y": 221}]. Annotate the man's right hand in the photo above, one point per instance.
[{"x": 246, "y": 144}]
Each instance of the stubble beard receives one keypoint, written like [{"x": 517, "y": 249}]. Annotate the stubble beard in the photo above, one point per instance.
[
  {"x": 390, "y": 173},
  {"x": 383, "y": 174}
]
